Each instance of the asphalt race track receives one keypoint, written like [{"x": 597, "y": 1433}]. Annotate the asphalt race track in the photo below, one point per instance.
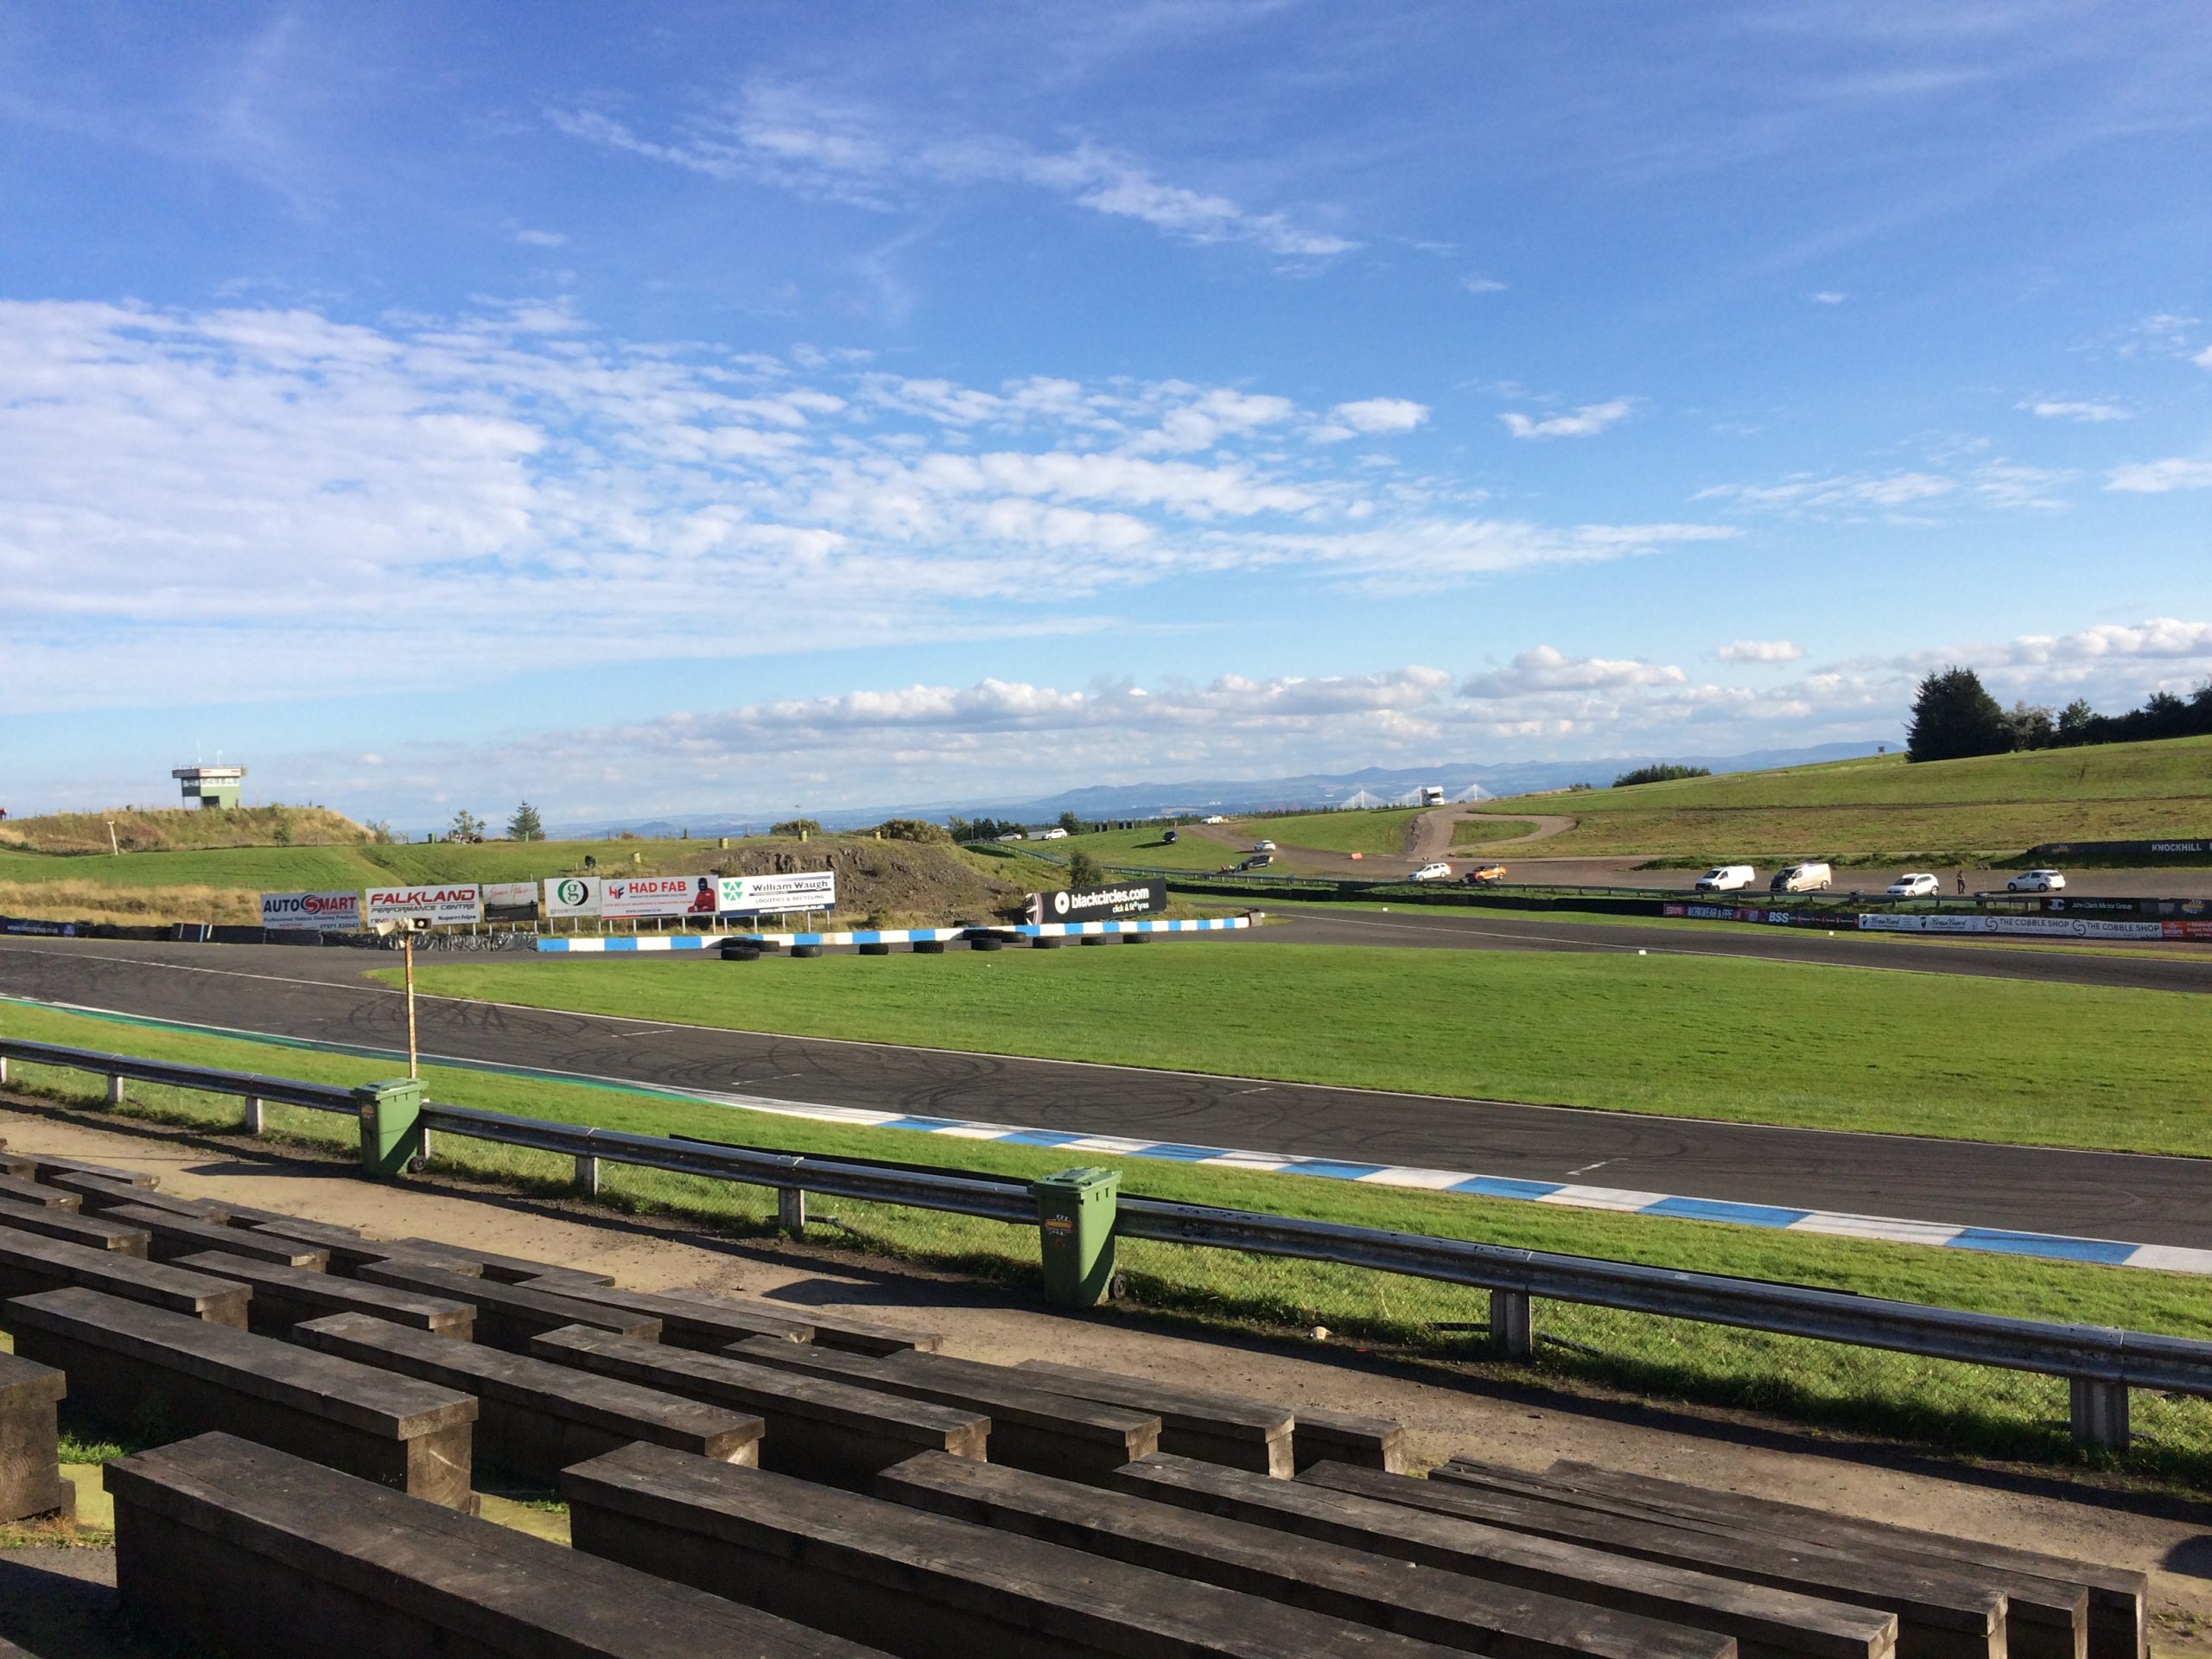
[{"x": 320, "y": 995}]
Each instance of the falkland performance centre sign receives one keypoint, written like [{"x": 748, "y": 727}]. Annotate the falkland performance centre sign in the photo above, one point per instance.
[{"x": 438, "y": 906}]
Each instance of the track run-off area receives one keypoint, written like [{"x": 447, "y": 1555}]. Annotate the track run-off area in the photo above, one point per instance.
[{"x": 323, "y": 996}]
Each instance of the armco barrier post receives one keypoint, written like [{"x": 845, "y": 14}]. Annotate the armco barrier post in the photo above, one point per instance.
[
  {"x": 391, "y": 1126},
  {"x": 2098, "y": 1412},
  {"x": 1075, "y": 1232},
  {"x": 252, "y": 1117},
  {"x": 1512, "y": 1329}
]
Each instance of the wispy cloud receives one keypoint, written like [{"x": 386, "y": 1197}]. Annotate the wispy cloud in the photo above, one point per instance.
[
  {"x": 1759, "y": 651},
  {"x": 2082, "y": 409},
  {"x": 2159, "y": 477},
  {"x": 1369, "y": 417},
  {"x": 1904, "y": 495},
  {"x": 1584, "y": 423},
  {"x": 1827, "y": 296},
  {"x": 797, "y": 139}
]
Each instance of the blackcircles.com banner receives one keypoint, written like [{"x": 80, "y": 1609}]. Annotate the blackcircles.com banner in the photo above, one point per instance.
[{"x": 1099, "y": 904}]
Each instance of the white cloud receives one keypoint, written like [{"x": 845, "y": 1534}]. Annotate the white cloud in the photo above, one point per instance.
[
  {"x": 1759, "y": 651},
  {"x": 2203, "y": 359},
  {"x": 797, "y": 139},
  {"x": 1906, "y": 495},
  {"x": 2057, "y": 409},
  {"x": 261, "y": 503},
  {"x": 1545, "y": 668},
  {"x": 2158, "y": 477},
  {"x": 1481, "y": 285},
  {"x": 530, "y": 238},
  {"x": 1586, "y": 421},
  {"x": 1827, "y": 296},
  {"x": 1370, "y": 416}
]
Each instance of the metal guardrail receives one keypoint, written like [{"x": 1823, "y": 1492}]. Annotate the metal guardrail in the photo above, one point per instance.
[{"x": 2100, "y": 1363}]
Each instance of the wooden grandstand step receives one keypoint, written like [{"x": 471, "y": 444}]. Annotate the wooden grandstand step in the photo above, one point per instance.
[
  {"x": 94, "y": 1232},
  {"x": 817, "y": 1428},
  {"x": 1193, "y": 1422},
  {"x": 30, "y": 1263},
  {"x": 489, "y": 1264},
  {"x": 1031, "y": 1428},
  {"x": 49, "y": 1166},
  {"x": 534, "y": 1417},
  {"x": 1940, "y": 1615},
  {"x": 2117, "y": 1628},
  {"x": 286, "y": 1296},
  {"x": 349, "y": 1252},
  {"x": 1766, "y": 1624},
  {"x": 126, "y": 1361},
  {"x": 173, "y": 1235},
  {"x": 509, "y": 1315},
  {"x": 17, "y": 1189},
  {"x": 922, "y": 1584},
  {"x": 685, "y": 1321},
  {"x": 105, "y": 1192},
  {"x": 31, "y": 1481},
  {"x": 238, "y": 1549},
  {"x": 1349, "y": 1437},
  {"x": 1365, "y": 1588}
]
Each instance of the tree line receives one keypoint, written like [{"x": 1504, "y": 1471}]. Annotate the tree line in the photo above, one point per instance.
[{"x": 1954, "y": 716}]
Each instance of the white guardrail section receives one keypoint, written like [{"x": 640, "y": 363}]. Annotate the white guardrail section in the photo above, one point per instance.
[{"x": 2100, "y": 1363}]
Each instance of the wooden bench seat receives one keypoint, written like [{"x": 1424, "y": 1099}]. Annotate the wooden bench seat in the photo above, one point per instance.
[
  {"x": 31, "y": 1481},
  {"x": 286, "y": 1296},
  {"x": 94, "y": 1232},
  {"x": 1031, "y": 1428},
  {"x": 489, "y": 1264},
  {"x": 817, "y": 1429},
  {"x": 1349, "y": 1437},
  {"x": 685, "y": 1321},
  {"x": 839, "y": 1331},
  {"x": 173, "y": 1235},
  {"x": 534, "y": 1418},
  {"x": 238, "y": 1549},
  {"x": 1193, "y": 1422},
  {"x": 15, "y": 1189},
  {"x": 348, "y": 1251},
  {"x": 924, "y": 1584},
  {"x": 1323, "y": 1578},
  {"x": 244, "y": 1215},
  {"x": 1940, "y": 1616},
  {"x": 100, "y": 1192},
  {"x": 130, "y": 1363},
  {"x": 509, "y": 1315},
  {"x": 30, "y": 1263},
  {"x": 1766, "y": 1624},
  {"x": 47, "y": 1167},
  {"x": 2116, "y": 1626}
]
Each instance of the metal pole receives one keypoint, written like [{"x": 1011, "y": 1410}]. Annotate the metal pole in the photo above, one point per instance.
[{"x": 407, "y": 949}]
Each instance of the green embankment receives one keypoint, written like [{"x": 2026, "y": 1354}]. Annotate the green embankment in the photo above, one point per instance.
[
  {"x": 1995, "y": 1412},
  {"x": 1882, "y": 810},
  {"x": 1381, "y": 830},
  {"x": 1474, "y": 832},
  {"x": 1748, "y": 1041}
]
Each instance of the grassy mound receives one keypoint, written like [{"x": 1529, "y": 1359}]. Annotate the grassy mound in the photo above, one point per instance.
[
  {"x": 145, "y": 830},
  {"x": 1882, "y": 810}
]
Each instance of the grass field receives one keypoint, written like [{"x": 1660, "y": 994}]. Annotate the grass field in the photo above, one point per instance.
[
  {"x": 1142, "y": 850},
  {"x": 1992, "y": 1411},
  {"x": 1381, "y": 830},
  {"x": 1747, "y": 1042},
  {"x": 1474, "y": 832},
  {"x": 1882, "y": 810}
]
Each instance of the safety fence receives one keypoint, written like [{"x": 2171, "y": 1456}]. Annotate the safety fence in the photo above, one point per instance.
[{"x": 2101, "y": 1367}]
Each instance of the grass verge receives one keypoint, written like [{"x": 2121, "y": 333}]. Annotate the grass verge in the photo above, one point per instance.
[
  {"x": 1965, "y": 1408},
  {"x": 1743, "y": 1040}
]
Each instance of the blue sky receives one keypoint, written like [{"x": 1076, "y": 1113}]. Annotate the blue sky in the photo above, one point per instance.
[{"x": 716, "y": 407}]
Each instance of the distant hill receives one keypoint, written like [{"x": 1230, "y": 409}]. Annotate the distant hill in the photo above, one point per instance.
[{"x": 1232, "y": 796}]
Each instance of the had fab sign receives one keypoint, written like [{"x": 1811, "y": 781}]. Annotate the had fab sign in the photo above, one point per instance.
[
  {"x": 438, "y": 906},
  {"x": 657, "y": 895}
]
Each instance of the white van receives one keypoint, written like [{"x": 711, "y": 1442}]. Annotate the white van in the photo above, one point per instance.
[
  {"x": 1803, "y": 878},
  {"x": 1725, "y": 878}
]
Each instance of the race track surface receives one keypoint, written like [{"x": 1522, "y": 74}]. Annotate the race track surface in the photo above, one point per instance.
[{"x": 320, "y": 995}]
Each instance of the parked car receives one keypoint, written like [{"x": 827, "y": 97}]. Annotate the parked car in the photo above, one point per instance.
[
  {"x": 1011, "y": 834},
  {"x": 2037, "y": 881},
  {"x": 1215, "y": 818},
  {"x": 1054, "y": 835},
  {"x": 1263, "y": 847},
  {"x": 1257, "y": 861},
  {"x": 1433, "y": 873},
  {"x": 1483, "y": 874},
  {"x": 1727, "y": 877},
  {"x": 1168, "y": 835},
  {"x": 1803, "y": 878},
  {"x": 1914, "y": 885}
]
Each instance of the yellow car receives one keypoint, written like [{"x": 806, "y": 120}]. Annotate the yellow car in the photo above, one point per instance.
[{"x": 1483, "y": 874}]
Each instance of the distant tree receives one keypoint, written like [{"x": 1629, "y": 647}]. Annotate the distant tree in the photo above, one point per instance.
[
  {"x": 526, "y": 825},
  {"x": 1072, "y": 823},
  {"x": 913, "y": 829},
  {"x": 2075, "y": 721},
  {"x": 2031, "y": 726},
  {"x": 800, "y": 827},
  {"x": 380, "y": 830},
  {"x": 1659, "y": 774},
  {"x": 282, "y": 835},
  {"x": 466, "y": 826},
  {"x": 1954, "y": 717},
  {"x": 1084, "y": 871}
]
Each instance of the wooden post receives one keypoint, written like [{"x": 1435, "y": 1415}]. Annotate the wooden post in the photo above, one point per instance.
[
  {"x": 1512, "y": 1333},
  {"x": 790, "y": 1208}
]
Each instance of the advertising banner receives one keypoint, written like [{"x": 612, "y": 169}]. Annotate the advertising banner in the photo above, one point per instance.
[
  {"x": 1096, "y": 903},
  {"x": 1738, "y": 914},
  {"x": 2037, "y": 927},
  {"x": 510, "y": 901},
  {"x": 2185, "y": 930},
  {"x": 328, "y": 912},
  {"x": 572, "y": 895},
  {"x": 763, "y": 895},
  {"x": 439, "y": 906},
  {"x": 641, "y": 896},
  {"x": 39, "y": 925}
]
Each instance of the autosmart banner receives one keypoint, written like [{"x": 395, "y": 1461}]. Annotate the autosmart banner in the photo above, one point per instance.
[
  {"x": 326, "y": 912},
  {"x": 510, "y": 901},
  {"x": 640, "y": 896},
  {"x": 766, "y": 895},
  {"x": 1095, "y": 904},
  {"x": 2040, "y": 927},
  {"x": 439, "y": 906}
]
